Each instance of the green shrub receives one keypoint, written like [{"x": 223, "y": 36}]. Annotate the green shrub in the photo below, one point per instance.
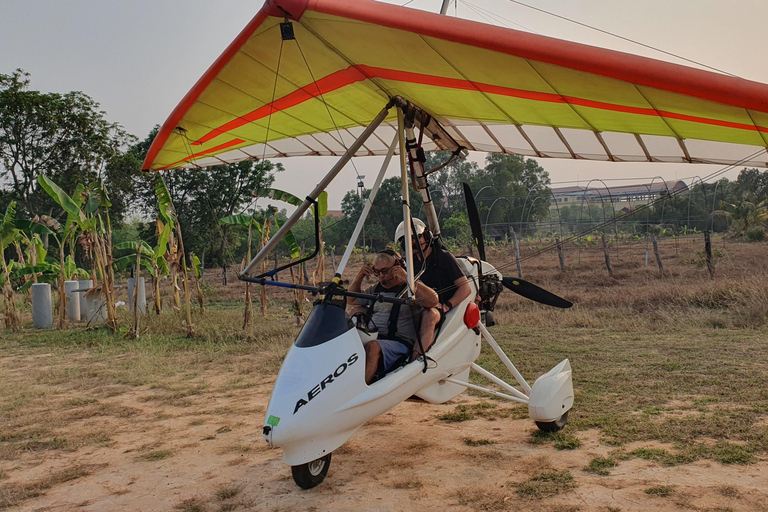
[{"x": 755, "y": 234}]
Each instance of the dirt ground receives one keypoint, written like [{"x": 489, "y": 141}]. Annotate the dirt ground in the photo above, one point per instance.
[{"x": 206, "y": 453}]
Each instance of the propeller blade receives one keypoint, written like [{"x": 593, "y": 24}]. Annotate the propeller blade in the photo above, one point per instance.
[
  {"x": 474, "y": 221},
  {"x": 535, "y": 293}
]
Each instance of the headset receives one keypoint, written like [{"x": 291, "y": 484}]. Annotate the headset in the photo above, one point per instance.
[{"x": 394, "y": 254}]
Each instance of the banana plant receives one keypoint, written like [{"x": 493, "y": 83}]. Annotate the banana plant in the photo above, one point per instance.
[
  {"x": 152, "y": 259},
  {"x": 8, "y": 234},
  {"x": 198, "y": 270},
  {"x": 175, "y": 253},
  {"x": 261, "y": 222},
  {"x": 92, "y": 231},
  {"x": 322, "y": 210}
]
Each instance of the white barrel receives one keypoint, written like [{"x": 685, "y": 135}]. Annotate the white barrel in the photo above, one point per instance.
[
  {"x": 73, "y": 300},
  {"x": 83, "y": 285},
  {"x": 142, "y": 299},
  {"x": 42, "y": 308}
]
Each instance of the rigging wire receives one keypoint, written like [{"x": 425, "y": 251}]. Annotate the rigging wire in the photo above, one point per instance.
[
  {"x": 565, "y": 18},
  {"x": 506, "y": 22},
  {"x": 327, "y": 108}
]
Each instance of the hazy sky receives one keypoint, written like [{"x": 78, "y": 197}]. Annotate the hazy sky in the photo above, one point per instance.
[{"x": 138, "y": 58}]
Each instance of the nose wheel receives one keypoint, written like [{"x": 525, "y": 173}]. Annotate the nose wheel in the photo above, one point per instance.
[
  {"x": 312, "y": 473},
  {"x": 553, "y": 426}
]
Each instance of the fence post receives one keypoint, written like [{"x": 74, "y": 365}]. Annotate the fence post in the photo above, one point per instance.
[
  {"x": 607, "y": 256},
  {"x": 560, "y": 254},
  {"x": 708, "y": 250},
  {"x": 517, "y": 253},
  {"x": 656, "y": 253}
]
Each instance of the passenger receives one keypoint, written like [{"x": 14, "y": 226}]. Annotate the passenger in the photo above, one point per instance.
[
  {"x": 442, "y": 272},
  {"x": 397, "y": 324}
]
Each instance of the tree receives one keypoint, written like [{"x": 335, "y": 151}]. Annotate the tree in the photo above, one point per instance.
[
  {"x": 64, "y": 136},
  {"x": 203, "y": 197}
]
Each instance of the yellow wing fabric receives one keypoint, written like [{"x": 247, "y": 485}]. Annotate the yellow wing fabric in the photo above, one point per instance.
[{"x": 491, "y": 89}]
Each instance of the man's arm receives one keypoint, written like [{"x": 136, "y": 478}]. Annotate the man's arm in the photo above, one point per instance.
[
  {"x": 355, "y": 285},
  {"x": 428, "y": 296},
  {"x": 463, "y": 290}
]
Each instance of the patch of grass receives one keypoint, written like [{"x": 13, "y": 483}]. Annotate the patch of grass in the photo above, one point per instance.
[
  {"x": 457, "y": 416},
  {"x": 14, "y": 494},
  {"x": 729, "y": 491},
  {"x": 477, "y": 442},
  {"x": 489, "y": 500},
  {"x": 662, "y": 456},
  {"x": 560, "y": 440},
  {"x": 156, "y": 455},
  {"x": 729, "y": 453},
  {"x": 546, "y": 484},
  {"x": 228, "y": 492},
  {"x": 192, "y": 505},
  {"x": 408, "y": 483},
  {"x": 600, "y": 466},
  {"x": 663, "y": 491},
  {"x": 464, "y": 412}
]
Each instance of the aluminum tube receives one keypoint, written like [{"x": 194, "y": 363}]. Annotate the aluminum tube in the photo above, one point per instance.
[
  {"x": 485, "y": 390},
  {"x": 346, "y": 157},
  {"x": 406, "y": 203},
  {"x": 504, "y": 359},
  {"x": 426, "y": 197},
  {"x": 488, "y": 375},
  {"x": 366, "y": 208}
]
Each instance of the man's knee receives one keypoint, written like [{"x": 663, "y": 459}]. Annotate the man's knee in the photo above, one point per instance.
[
  {"x": 372, "y": 349},
  {"x": 431, "y": 316}
]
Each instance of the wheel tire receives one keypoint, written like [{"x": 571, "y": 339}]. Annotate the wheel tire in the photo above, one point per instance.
[
  {"x": 553, "y": 426},
  {"x": 312, "y": 473}
]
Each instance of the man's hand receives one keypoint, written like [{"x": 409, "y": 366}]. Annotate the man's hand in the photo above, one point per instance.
[{"x": 365, "y": 271}]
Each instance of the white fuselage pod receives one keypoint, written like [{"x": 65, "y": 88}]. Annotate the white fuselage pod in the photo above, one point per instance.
[{"x": 320, "y": 397}]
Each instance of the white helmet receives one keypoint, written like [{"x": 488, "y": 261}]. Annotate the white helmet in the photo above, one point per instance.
[{"x": 400, "y": 231}]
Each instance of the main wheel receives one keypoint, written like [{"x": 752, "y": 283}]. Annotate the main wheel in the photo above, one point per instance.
[
  {"x": 553, "y": 426},
  {"x": 312, "y": 473}
]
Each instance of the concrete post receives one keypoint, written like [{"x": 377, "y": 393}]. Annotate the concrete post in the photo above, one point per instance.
[
  {"x": 84, "y": 284},
  {"x": 142, "y": 295},
  {"x": 42, "y": 307},
  {"x": 73, "y": 300}
]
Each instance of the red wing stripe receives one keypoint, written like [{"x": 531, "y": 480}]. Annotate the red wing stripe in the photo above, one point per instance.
[
  {"x": 325, "y": 85},
  {"x": 233, "y": 142},
  {"x": 351, "y": 75}
]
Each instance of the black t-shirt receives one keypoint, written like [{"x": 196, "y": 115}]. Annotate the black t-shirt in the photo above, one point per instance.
[{"x": 441, "y": 272}]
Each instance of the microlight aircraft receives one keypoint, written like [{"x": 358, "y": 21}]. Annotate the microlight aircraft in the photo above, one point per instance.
[{"x": 305, "y": 77}]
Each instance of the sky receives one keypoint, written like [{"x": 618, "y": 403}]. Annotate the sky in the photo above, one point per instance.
[{"x": 138, "y": 58}]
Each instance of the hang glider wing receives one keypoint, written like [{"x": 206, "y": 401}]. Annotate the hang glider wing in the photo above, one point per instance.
[{"x": 490, "y": 89}]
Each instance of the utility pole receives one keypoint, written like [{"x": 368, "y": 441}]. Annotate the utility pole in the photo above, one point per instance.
[{"x": 360, "y": 190}]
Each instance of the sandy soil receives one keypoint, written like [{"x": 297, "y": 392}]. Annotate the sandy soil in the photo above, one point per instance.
[{"x": 206, "y": 453}]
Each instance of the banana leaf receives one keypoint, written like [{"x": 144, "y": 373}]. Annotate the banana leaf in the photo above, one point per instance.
[{"x": 8, "y": 229}]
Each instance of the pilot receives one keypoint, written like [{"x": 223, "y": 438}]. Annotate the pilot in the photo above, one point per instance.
[
  {"x": 397, "y": 324},
  {"x": 441, "y": 273}
]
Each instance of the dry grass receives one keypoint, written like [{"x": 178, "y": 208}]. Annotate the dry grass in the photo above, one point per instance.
[{"x": 678, "y": 361}]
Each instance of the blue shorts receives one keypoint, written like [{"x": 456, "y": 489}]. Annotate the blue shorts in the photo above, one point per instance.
[{"x": 392, "y": 352}]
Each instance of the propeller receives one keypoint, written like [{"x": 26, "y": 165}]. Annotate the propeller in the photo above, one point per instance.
[
  {"x": 474, "y": 221},
  {"x": 517, "y": 285},
  {"x": 535, "y": 293}
]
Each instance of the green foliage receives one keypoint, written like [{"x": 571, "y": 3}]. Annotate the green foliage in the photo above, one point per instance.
[
  {"x": 755, "y": 233},
  {"x": 64, "y": 136}
]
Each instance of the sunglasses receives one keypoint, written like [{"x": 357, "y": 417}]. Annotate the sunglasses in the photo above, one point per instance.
[
  {"x": 414, "y": 238},
  {"x": 384, "y": 271}
]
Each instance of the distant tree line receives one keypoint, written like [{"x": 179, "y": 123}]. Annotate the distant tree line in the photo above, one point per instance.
[{"x": 67, "y": 138}]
